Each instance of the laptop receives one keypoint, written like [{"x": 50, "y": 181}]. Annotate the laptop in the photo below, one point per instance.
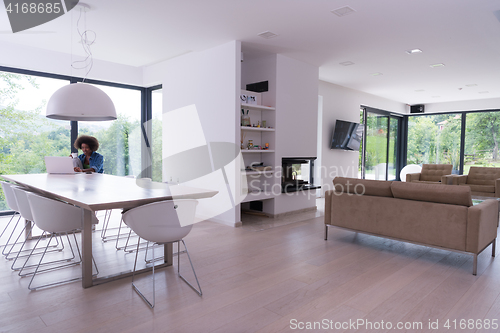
[{"x": 59, "y": 164}]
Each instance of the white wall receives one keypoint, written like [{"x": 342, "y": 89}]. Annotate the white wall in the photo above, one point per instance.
[
  {"x": 344, "y": 104},
  {"x": 479, "y": 104},
  {"x": 296, "y": 122},
  {"x": 35, "y": 59},
  {"x": 209, "y": 80}
]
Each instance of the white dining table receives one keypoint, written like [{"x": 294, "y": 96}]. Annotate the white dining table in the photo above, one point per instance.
[{"x": 93, "y": 192}]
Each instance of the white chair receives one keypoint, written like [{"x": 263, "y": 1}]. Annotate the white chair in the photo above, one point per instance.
[
  {"x": 55, "y": 218},
  {"x": 25, "y": 211},
  {"x": 162, "y": 223},
  {"x": 12, "y": 204}
]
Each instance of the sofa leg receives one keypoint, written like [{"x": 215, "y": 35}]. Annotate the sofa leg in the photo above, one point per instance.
[
  {"x": 474, "y": 265},
  {"x": 326, "y": 232},
  {"x": 493, "y": 246}
]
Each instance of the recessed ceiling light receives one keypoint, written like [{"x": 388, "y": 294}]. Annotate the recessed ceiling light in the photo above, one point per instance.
[
  {"x": 376, "y": 74},
  {"x": 267, "y": 34},
  {"x": 437, "y": 65},
  {"x": 343, "y": 11},
  {"x": 471, "y": 85},
  {"x": 414, "y": 51},
  {"x": 419, "y": 90},
  {"x": 484, "y": 92},
  {"x": 347, "y": 63}
]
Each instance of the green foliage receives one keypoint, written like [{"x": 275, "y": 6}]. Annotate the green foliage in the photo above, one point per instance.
[
  {"x": 434, "y": 139},
  {"x": 483, "y": 135}
]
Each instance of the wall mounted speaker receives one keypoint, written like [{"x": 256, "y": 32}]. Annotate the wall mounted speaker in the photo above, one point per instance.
[{"x": 417, "y": 108}]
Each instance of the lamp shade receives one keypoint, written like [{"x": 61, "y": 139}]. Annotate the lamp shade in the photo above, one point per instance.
[{"x": 80, "y": 102}]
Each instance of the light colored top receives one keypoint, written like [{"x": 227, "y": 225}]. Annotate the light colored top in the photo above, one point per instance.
[{"x": 100, "y": 191}]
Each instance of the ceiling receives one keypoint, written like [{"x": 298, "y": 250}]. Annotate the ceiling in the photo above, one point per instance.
[{"x": 464, "y": 35}]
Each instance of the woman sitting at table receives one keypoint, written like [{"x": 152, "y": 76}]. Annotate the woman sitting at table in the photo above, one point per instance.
[{"x": 89, "y": 161}]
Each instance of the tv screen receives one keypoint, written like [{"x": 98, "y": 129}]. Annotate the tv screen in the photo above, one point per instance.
[{"x": 347, "y": 135}]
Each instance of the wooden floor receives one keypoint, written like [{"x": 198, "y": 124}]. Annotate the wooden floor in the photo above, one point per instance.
[{"x": 271, "y": 276}]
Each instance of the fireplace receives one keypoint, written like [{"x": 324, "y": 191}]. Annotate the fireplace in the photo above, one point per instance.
[{"x": 297, "y": 174}]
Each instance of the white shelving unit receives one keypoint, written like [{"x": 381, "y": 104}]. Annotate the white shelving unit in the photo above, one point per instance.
[{"x": 258, "y": 181}]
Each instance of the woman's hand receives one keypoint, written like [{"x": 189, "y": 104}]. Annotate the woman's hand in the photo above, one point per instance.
[{"x": 77, "y": 169}]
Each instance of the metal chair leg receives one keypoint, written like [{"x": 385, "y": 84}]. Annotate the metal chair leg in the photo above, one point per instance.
[
  {"x": 151, "y": 305},
  {"x": 7, "y": 226},
  {"x": 8, "y": 240},
  {"x": 198, "y": 291}
]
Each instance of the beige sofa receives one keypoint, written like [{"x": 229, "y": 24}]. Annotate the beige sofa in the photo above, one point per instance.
[
  {"x": 427, "y": 214},
  {"x": 431, "y": 173},
  {"x": 483, "y": 181}
]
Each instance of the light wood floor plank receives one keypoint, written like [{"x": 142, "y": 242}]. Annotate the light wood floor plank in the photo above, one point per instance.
[{"x": 258, "y": 278}]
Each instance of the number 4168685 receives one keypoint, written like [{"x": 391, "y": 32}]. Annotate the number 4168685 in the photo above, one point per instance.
[
  {"x": 475, "y": 324},
  {"x": 34, "y": 8}
]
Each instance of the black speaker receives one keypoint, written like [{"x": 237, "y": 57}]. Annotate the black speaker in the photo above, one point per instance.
[
  {"x": 258, "y": 86},
  {"x": 417, "y": 108}
]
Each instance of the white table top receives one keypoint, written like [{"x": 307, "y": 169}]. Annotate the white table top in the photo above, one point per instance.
[{"x": 100, "y": 191}]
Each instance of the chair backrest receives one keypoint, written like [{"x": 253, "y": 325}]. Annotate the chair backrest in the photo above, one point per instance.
[
  {"x": 162, "y": 222},
  {"x": 54, "y": 216},
  {"x": 483, "y": 175},
  {"x": 433, "y": 172},
  {"x": 22, "y": 202},
  {"x": 9, "y": 196}
]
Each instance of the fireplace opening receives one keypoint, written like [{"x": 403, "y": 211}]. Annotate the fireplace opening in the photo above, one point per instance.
[{"x": 297, "y": 174}]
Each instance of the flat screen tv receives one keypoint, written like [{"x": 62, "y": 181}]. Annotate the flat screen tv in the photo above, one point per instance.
[{"x": 347, "y": 135}]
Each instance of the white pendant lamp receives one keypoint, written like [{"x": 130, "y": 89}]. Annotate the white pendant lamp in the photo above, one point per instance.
[{"x": 80, "y": 102}]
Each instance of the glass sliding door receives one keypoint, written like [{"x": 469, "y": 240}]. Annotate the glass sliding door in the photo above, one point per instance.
[{"x": 380, "y": 146}]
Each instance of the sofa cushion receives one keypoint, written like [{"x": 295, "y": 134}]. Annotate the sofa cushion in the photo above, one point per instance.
[
  {"x": 433, "y": 172},
  {"x": 450, "y": 194},
  {"x": 380, "y": 188},
  {"x": 483, "y": 176},
  {"x": 480, "y": 188}
]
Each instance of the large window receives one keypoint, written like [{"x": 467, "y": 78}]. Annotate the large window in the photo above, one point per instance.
[
  {"x": 119, "y": 140},
  {"x": 434, "y": 139},
  {"x": 438, "y": 139},
  {"x": 156, "y": 141},
  {"x": 482, "y": 138},
  {"x": 26, "y": 135}
]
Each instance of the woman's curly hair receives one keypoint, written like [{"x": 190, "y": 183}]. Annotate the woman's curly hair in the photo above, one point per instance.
[{"x": 88, "y": 140}]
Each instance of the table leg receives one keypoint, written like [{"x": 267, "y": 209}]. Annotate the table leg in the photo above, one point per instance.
[
  {"x": 87, "y": 248},
  {"x": 168, "y": 254}
]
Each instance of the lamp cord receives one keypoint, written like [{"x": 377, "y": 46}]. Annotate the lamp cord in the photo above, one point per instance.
[{"x": 88, "y": 62}]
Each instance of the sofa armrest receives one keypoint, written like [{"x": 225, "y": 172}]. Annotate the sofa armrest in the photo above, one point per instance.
[
  {"x": 328, "y": 206},
  {"x": 448, "y": 180},
  {"x": 412, "y": 176},
  {"x": 460, "y": 179},
  {"x": 497, "y": 188},
  {"x": 482, "y": 221}
]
